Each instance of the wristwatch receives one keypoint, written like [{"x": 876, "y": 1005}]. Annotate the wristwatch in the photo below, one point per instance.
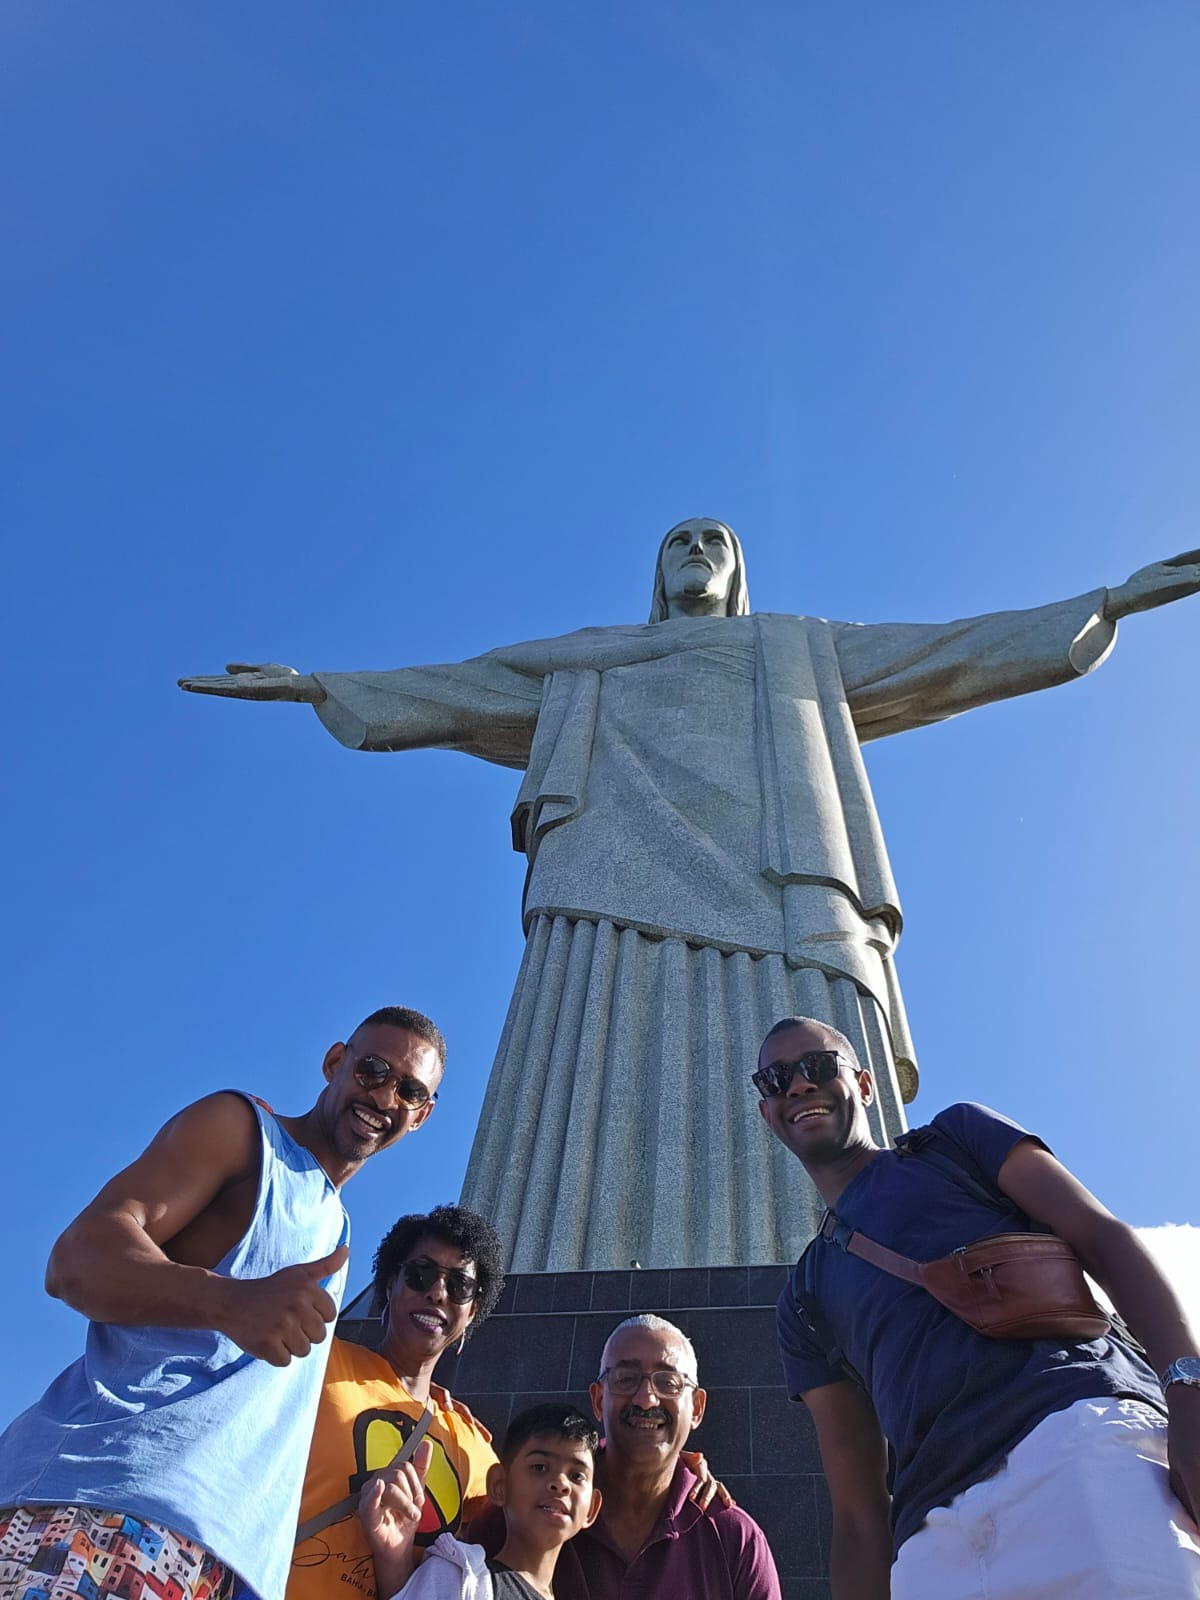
[{"x": 1184, "y": 1369}]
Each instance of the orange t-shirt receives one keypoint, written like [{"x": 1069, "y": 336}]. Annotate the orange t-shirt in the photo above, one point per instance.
[{"x": 364, "y": 1417}]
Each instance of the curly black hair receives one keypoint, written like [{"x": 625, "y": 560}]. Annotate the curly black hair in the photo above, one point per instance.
[{"x": 466, "y": 1231}]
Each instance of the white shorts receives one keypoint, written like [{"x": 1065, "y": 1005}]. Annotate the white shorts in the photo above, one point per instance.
[{"x": 1081, "y": 1510}]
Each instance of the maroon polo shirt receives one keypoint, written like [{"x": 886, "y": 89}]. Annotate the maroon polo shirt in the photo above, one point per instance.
[{"x": 719, "y": 1554}]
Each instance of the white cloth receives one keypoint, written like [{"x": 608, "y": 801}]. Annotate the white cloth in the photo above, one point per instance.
[
  {"x": 451, "y": 1570},
  {"x": 1081, "y": 1510}
]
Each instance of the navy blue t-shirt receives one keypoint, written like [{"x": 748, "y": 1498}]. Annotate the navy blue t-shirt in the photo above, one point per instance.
[{"x": 951, "y": 1402}]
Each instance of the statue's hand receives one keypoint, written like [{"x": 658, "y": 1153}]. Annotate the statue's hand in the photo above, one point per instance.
[
  {"x": 1156, "y": 585},
  {"x": 263, "y": 680}
]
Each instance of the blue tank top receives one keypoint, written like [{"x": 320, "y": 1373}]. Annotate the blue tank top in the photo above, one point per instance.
[{"x": 180, "y": 1426}]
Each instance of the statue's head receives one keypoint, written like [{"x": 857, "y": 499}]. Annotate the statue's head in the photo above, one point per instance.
[{"x": 700, "y": 572}]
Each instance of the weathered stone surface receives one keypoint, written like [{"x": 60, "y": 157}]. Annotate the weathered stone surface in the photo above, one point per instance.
[{"x": 704, "y": 858}]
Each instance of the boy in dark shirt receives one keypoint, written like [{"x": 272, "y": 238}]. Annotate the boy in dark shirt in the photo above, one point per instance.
[{"x": 545, "y": 1484}]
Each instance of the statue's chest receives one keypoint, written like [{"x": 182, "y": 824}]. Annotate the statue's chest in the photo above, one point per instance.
[{"x": 695, "y": 707}]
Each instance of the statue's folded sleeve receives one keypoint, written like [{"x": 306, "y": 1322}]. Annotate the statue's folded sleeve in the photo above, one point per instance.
[
  {"x": 906, "y": 675},
  {"x": 482, "y": 707}
]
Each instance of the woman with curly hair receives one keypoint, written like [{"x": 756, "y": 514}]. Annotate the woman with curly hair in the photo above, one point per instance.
[{"x": 437, "y": 1277}]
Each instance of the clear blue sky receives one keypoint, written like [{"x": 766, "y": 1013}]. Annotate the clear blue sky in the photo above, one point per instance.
[{"x": 371, "y": 335}]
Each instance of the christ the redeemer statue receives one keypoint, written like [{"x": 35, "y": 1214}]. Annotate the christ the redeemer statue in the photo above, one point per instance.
[{"x": 704, "y": 858}]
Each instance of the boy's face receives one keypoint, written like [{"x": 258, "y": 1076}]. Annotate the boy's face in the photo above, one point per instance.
[{"x": 547, "y": 1490}]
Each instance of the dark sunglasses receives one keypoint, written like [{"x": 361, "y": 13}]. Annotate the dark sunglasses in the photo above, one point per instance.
[
  {"x": 815, "y": 1066},
  {"x": 373, "y": 1072},
  {"x": 422, "y": 1274}
]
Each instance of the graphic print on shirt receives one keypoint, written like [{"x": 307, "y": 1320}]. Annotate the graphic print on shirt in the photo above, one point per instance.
[{"x": 379, "y": 1436}]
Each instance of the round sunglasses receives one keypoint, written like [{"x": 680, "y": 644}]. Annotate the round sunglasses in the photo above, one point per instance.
[{"x": 373, "y": 1072}]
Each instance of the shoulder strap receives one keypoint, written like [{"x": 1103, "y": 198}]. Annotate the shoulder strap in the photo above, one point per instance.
[
  {"x": 835, "y": 1231},
  {"x": 349, "y": 1504},
  {"x": 949, "y": 1157},
  {"x": 943, "y": 1151}
]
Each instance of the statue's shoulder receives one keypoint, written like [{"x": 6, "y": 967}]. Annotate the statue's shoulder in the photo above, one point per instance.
[
  {"x": 785, "y": 620},
  {"x": 620, "y": 644},
  {"x": 585, "y": 649}
]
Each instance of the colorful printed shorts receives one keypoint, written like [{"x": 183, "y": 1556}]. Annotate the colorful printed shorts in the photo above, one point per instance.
[{"x": 85, "y": 1553}]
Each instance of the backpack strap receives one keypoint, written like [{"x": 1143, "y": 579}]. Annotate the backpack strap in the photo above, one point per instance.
[
  {"x": 816, "y": 1324},
  {"x": 943, "y": 1151}
]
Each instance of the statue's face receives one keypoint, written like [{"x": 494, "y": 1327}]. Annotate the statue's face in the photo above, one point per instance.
[{"x": 698, "y": 565}]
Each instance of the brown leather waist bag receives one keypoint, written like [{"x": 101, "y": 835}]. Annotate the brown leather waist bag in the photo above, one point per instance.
[{"x": 1007, "y": 1286}]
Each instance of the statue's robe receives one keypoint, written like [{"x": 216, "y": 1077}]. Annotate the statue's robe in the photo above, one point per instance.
[{"x": 704, "y": 858}]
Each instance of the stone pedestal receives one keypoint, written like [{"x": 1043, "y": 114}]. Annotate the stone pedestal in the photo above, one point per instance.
[{"x": 544, "y": 1341}]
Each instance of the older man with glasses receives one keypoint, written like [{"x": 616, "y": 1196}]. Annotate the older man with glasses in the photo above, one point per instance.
[{"x": 650, "y": 1537}]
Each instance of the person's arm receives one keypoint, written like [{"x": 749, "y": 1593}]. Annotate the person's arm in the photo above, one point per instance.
[
  {"x": 706, "y": 1488},
  {"x": 1113, "y": 1254},
  {"x": 854, "y": 1457},
  {"x": 752, "y": 1569},
  {"x": 110, "y": 1263},
  {"x": 389, "y": 1509}
]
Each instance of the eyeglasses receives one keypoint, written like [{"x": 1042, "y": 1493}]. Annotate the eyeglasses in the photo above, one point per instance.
[
  {"x": 373, "y": 1072},
  {"x": 422, "y": 1274},
  {"x": 626, "y": 1381},
  {"x": 815, "y": 1066}
]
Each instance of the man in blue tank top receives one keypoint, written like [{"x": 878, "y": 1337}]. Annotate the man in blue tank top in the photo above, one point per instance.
[
  {"x": 1019, "y": 1467},
  {"x": 167, "y": 1463}
]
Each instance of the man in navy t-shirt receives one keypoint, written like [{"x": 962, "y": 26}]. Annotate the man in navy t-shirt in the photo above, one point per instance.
[{"x": 1020, "y": 1467}]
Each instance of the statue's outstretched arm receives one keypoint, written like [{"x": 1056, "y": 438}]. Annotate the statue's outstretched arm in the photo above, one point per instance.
[
  {"x": 1155, "y": 585},
  {"x": 261, "y": 680},
  {"x": 482, "y": 707},
  {"x": 905, "y": 675}
]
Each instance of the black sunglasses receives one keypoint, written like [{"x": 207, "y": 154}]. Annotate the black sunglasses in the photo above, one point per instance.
[
  {"x": 815, "y": 1066},
  {"x": 373, "y": 1072},
  {"x": 422, "y": 1274}
]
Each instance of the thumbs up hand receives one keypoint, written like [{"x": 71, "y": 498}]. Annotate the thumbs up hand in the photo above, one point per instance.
[{"x": 284, "y": 1315}]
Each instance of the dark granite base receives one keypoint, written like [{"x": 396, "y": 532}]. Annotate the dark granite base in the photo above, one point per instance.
[{"x": 544, "y": 1340}]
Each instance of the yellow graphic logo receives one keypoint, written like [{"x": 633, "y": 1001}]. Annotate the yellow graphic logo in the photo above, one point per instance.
[{"x": 379, "y": 1436}]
